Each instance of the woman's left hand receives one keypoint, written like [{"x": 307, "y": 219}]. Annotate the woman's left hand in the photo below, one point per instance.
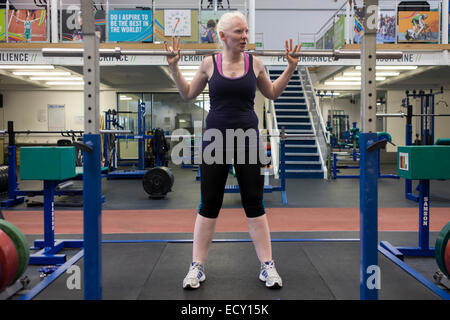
[{"x": 292, "y": 60}]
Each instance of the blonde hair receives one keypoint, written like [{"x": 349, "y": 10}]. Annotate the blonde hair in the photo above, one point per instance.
[{"x": 225, "y": 21}]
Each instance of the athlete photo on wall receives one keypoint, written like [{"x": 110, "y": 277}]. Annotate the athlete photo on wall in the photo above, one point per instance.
[
  {"x": 418, "y": 26},
  {"x": 386, "y": 26},
  {"x": 27, "y": 25},
  {"x": 72, "y": 23}
]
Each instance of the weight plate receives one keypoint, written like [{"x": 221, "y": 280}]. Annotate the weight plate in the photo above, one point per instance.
[
  {"x": 21, "y": 244},
  {"x": 440, "y": 248},
  {"x": 447, "y": 257},
  {"x": 8, "y": 261},
  {"x": 158, "y": 181}
]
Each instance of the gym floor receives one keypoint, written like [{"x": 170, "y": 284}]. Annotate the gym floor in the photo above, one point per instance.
[{"x": 134, "y": 267}]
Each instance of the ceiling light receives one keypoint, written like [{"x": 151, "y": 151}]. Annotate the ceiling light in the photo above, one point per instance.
[
  {"x": 41, "y": 73},
  {"x": 352, "y": 74},
  {"x": 392, "y": 67},
  {"x": 125, "y": 98},
  {"x": 188, "y": 73},
  {"x": 356, "y": 78},
  {"x": 397, "y": 68},
  {"x": 329, "y": 94},
  {"x": 59, "y": 83},
  {"x": 378, "y": 74},
  {"x": 188, "y": 67},
  {"x": 57, "y": 78},
  {"x": 31, "y": 67},
  {"x": 388, "y": 74},
  {"x": 342, "y": 83},
  {"x": 347, "y": 78}
]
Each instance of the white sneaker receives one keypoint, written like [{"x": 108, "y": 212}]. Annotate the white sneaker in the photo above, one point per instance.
[
  {"x": 195, "y": 275},
  {"x": 270, "y": 275}
]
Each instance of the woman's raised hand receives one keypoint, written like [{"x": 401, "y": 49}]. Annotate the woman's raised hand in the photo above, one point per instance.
[
  {"x": 292, "y": 60},
  {"x": 174, "y": 48}
]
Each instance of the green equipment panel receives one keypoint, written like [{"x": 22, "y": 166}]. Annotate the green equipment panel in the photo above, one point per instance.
[
  {"x": 47, "y": 163},
  {"x": 424, "y": 162}
]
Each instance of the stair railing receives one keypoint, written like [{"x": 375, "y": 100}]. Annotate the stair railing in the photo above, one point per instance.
[{"x": 274, "y": 133}]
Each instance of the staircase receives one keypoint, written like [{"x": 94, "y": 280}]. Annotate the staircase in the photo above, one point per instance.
[{"x": 302, "y": 158}]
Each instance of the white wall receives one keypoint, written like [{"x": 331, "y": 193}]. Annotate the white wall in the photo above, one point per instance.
[
  {"x": 28, "y": 110},
  {"x": 352, "y": 110}
]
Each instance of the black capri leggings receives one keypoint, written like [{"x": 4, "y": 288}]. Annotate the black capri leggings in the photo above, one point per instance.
[{"x": 213, "y": 179}]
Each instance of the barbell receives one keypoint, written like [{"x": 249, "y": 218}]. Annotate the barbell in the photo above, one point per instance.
[
  {"x": 402, "y": 114},
  {"x": 63, "y": 132},
  {"x": 118, "y": 52}
]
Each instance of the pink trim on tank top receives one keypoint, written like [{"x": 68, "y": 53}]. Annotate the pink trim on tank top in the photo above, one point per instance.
[{"x": 219, "y": 66}]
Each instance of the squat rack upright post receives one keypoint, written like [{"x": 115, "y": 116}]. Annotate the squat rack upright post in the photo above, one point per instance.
[
  {"x": 369, "y": 149},
  {"x": 92, "y": 205}
]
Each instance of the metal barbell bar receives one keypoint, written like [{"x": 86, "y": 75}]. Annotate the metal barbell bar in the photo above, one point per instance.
[
  {"x": 62, "y": 132},
  {"x": 402, "y": 115},
  {"x": 118, "y": 52}
]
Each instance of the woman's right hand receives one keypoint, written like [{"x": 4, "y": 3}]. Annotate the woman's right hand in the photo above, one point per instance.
[{"x": 174, "y": 48}]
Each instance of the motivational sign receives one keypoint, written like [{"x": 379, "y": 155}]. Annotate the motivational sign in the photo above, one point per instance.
[{"x": 130, "y": 25}]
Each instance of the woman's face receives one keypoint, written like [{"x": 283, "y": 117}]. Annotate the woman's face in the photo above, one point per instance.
[{"x": 235, "y": 37}]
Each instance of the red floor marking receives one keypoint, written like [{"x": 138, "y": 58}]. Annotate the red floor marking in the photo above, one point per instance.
[{"x": 230, "y": 220}]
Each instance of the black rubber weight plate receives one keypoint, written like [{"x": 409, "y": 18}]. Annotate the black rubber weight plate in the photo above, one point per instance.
[
  {"x": 21, "y": 244},
  {"x": 439, "y": 250},
  {"x": 158, "y": 180}
]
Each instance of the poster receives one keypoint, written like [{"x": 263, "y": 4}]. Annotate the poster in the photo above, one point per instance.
[
  {"x": 56, "y": 118},
  {"x": 208, "y": 26},
  {"x": 386, "y": 26},
  {"x": 418, "y": 26},
  {"x": 339, "y": 33},
  {"x": 130, "y": 25},
  {"x": 27, "y": 25},
  {"x": 320, "y": 43},
  {"x": 72, "y": 22},
  {"x": 2, "y": 25},
  {"x": 328, "y": 39},
  {"x": 359, "y": 28}
]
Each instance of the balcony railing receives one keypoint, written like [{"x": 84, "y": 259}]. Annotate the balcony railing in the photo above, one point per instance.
[{"x": 396, "y": 25}]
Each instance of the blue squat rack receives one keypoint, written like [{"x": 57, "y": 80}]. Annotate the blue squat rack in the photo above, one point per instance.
[
  {"x": 15, "y": 195},
  {"x": 427, "y": 116},
  {"x": 111, "y": 122}
]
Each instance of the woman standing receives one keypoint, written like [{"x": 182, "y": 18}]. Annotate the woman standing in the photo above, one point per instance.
[{"x": 232, "y": 77}]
